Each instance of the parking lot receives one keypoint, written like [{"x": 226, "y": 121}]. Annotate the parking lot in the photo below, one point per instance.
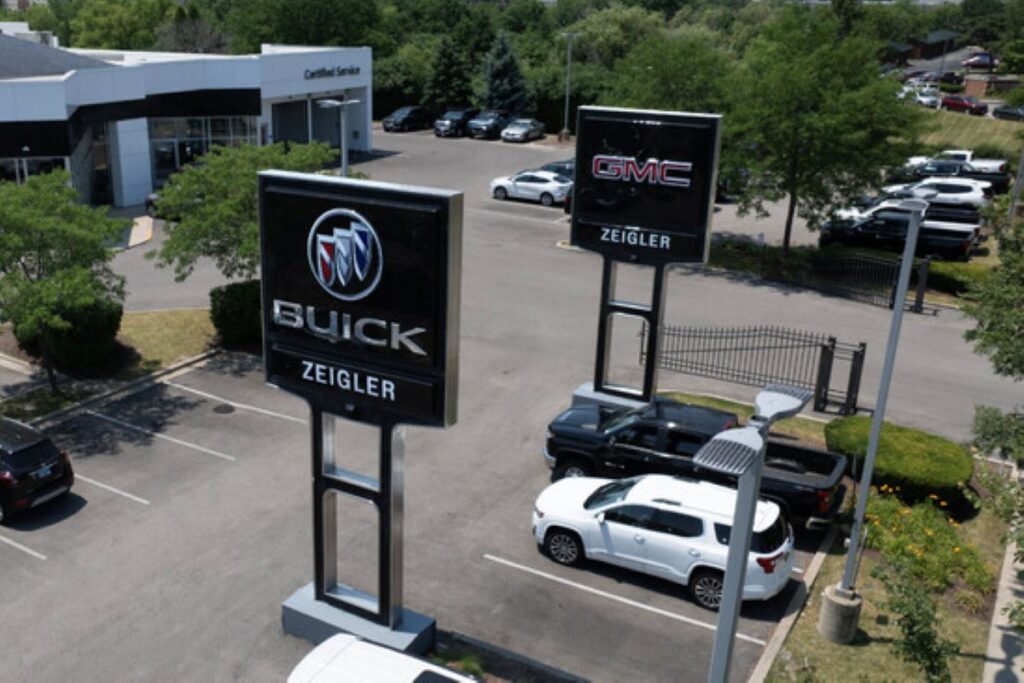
[{"x": 191, "y": 519}]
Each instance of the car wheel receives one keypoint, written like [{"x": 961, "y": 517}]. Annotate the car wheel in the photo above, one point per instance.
[
  {"x": 564, "y": 547},
  {"x": 500, "y": 193},
  {"x": 546, "y": 199},
  {"x": 573, "y": 467},
  {"x": 706, "y": 588}
]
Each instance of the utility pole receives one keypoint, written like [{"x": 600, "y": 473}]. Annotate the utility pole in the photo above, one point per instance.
[{"x": 564, "y": 135}]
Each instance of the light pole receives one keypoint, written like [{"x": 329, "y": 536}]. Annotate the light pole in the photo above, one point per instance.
[
  {"x": 740, "y": 453},
  {"x": 840, "y": 610},
  {"x": 340, "y": 106},
  {"x": 568, "y": 35}
]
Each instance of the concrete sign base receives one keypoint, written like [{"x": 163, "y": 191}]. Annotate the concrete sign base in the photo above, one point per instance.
[
  {"x": 305, "y": 617},
  {"x": 585, "y": 394}
]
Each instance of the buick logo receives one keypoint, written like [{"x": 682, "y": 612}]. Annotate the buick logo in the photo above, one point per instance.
[{"x": 345, "y": 255}]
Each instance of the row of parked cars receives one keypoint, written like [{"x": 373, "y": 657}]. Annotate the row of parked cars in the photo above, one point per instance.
[
  {"x": 465, "y": 121},
  {"x": 956, "y": 185},
  {"x": 626, "y": 491}
]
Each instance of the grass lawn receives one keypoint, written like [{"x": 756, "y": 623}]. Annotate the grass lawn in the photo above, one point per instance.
[
  {"x": 809, "y": 431},
  {"x": 161, "y": 338},
  {"x": 806, "y": 656},
  {"x": 951, "y": 130}
]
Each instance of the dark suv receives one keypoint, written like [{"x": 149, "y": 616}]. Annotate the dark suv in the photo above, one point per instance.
[
  {"x": 452, "y": 123},
  {"x": 489, "y": 124},
  {"x": 407, "y": 118},
  {"x": 32, "y": 469}
]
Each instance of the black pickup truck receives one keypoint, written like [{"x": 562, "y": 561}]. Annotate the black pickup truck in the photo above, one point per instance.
[{"x": 663, "y": 436}]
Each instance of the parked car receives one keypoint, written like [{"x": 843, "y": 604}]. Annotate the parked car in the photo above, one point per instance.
[
  {"x": 927, "y": 97},
  {"x": 407, "y": 118},
  {"x": 912, "y": 74},
  {"x": 885, "y": 227},
  {"x": 951, "y": 77},
  {"x": 662, "y": 438},
  {"x": 950, "y": 168},
  {"x": 985, "y": 165},
  {"x": 1009, "y": 112},
  {"x": 453, "y": 123},
  {"x": 672, "y": 528},
  {"x": 488, "y": 124},
  {"x": 964, "y": 103},
  {"x": 981, "y": 60},
  {"x": 539, "y": 186},
  {"x": 523, "y": 130},
  {"x": 32, "y": 469},
  {"x": 961, "y": 191},
  {"x": 565, "y": 168},
  {"x": 344, "y": 657}
]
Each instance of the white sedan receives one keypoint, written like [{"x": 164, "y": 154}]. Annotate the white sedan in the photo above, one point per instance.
[
  {"x": 929, "y": 97},
  {"x": 523, "y": 130},
  {"x": 539, "y": 186},
  {"x": 963, "y": 191}
]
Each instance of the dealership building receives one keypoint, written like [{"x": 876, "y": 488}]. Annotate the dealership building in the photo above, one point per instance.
[{"x": 122, "y": 122}]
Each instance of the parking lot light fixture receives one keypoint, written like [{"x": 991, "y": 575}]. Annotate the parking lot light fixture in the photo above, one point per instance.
[
  {"x": 568, "y": 35},
  {"x": 740, "y": 453}
]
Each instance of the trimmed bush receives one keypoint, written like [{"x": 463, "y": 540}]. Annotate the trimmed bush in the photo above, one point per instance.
[
  {"x": 918, "y": 463},
  {"x": 951, "y": 87},
  {"x": 89, "y": 341},
  {"x": 235, "y": 312},
  {"x": 956, "y": 277}
]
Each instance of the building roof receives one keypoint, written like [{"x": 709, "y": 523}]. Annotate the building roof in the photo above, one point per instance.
[
  {"x": 25, "y": 59},
  {"x": 940, "y": 36}
]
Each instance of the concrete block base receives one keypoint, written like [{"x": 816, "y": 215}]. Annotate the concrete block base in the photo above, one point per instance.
[
  {"x": 585, "y": 395},
  {"x": 303, "y": 616},
  {"x": 840, "y": 613}
]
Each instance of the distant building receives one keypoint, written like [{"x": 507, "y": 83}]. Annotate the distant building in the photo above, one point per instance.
[
  {"x": 935, "y": 44},
  {"x": 122, "y": 122}
]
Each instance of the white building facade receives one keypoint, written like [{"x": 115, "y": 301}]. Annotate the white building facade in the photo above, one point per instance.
[{"x": 123, "y": 122}]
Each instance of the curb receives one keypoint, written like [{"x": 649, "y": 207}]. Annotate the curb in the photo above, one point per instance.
[
  {"x": 133, "y": 386},
  {"x": 505, "y": 663},
  {"x": 795, "y": 607}
]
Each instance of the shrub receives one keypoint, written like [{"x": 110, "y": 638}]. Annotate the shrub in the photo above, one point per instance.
[
  {"x": 989, "y": 151},
  {"x": 235, "y": 312},
  {"x": 955, "y": 277},
  {"x": 917, "y": 462},
  {"x": 925, "y": 540},
  {"x": 1015, "y": 97},
  {"x": 89, "y": 339},
  {"x": 951, "y": 87}
]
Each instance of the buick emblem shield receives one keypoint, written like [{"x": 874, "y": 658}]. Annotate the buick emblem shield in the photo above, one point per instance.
[{"x": 345, "y": 254}]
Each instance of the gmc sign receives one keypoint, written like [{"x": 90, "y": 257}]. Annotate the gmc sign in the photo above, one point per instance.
[{"x": 645, "y": 184}]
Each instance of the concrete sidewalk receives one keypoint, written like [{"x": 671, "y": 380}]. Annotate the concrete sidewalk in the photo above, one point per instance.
[{"x": 1004, "y": 660}]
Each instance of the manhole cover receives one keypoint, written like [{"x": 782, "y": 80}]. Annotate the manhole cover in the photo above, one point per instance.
[{"x": 224, "y": 409}]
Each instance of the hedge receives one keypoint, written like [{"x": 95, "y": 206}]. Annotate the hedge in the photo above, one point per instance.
[
  {"x": 919, "y": 463},
  {"x": 235, "y": 312}
]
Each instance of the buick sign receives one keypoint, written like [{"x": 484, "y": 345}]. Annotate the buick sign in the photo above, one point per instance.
[
  {"x": 360, "y": 296},
  {"x": 645, "y": 184}
]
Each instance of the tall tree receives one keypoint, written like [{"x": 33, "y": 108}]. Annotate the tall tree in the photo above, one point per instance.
[
  {"x": 503, "y": 81},
  {"x": 811, "y": 120},
  {"x": 119, "y": 24},
  {"x": 449, "y": 84},
  {"x": 188, "y": 31},
  {"x": 213, "y": 206},
  {"x": 54, "y": 256},
  {"x": 300, "y": 22}
]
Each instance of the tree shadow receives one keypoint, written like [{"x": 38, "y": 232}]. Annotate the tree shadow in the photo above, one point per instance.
[{"x": 236, "y": 363}]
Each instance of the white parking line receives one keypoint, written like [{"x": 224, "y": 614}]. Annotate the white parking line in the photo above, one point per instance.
[
  {"x": 616, "y": 598},
  {"x": 186, "y": 444},
  {"x": 107, "y": 487},
  {"x": 243, "y": 406},
  {"x": 29, "y": 551},
  {"x": 798, "y": 570}
]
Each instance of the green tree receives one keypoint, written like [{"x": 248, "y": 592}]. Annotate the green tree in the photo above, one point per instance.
[
  {"x": 188, "y": 31},
  {"x": 1011, "y": 57},
  {"x": 449, "y": 84},
  {"x": 214, "y": 206},
  {"x": 54, "y": 256},
  {"x": 399, "y": 79},
  {"x": 503, "y": 81},
  {"x": 997, "y": 302},
  {"x": 681, "y": 72},
  {"x": 810, "y": 118},
  {"x": 300, "y": 22},
  {"x": 606, "y": 36},
  {"x": 119, "y": 24}
]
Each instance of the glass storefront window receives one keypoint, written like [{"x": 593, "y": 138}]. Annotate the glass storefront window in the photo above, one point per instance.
[{"x": 175, "y": 142}]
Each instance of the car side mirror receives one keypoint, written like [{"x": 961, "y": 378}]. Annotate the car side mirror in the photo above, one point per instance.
[{"x": 600, "y": 518}]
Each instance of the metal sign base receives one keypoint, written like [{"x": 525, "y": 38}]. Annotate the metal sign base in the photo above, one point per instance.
[{"x": 649, "y": 314}]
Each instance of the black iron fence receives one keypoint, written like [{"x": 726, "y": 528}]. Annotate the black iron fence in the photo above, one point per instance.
[
  {"x": 760, "y": 355},
  {"x": 861, "y": 277}
]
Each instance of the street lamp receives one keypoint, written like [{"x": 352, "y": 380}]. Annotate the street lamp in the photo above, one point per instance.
[
  {"x": 740, "y": 453},
  {"x": 340, "y": 106},
  {"x": 568, "y": 35},
  {"x": 841, "y": 605}
]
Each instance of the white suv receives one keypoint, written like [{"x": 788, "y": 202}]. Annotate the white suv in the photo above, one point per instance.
[{"x": 669, "y": 527}]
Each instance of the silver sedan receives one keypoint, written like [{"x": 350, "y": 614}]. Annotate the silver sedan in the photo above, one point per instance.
[{"x": 539, "y": 186}]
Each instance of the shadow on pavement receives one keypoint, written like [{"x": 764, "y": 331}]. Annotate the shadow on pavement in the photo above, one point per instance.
[{"x": 48, "y": 514}]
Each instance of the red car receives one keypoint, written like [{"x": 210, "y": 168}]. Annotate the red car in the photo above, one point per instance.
[
  {"x": 964, "y": 103},
  {"x": 32, "y": 469}
]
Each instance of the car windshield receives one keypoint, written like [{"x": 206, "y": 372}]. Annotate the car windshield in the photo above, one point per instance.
[
  {"x": 521, "y": 123},
  {"x": 401, "y": 112},
  {"x": 621, "y": 420},
  {"x": 453, "y": 115},
  {"x": 612, "y": 492},
  {"x": 488, "y": 115}
]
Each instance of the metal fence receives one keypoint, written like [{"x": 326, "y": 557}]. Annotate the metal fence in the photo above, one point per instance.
[
  {"x": 759, "y": 355},
  {"x": 861, "y": 277}
]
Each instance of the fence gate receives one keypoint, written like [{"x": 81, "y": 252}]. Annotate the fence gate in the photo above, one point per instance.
[{"x": 760, "y": 355}]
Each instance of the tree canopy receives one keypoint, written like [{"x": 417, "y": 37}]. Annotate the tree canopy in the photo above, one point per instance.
[
  {"x": 503, "y": 80},
  {"x": 212, "y": 206}
]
